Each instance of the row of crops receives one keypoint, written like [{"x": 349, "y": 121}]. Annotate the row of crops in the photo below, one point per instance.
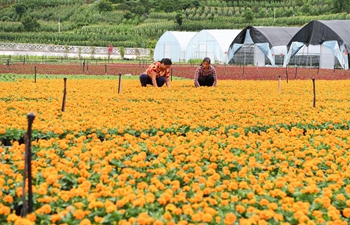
[
  {"x": 65, "y": 39},
  {"x": 130, "y": 37},
  {"x": 260, "y": 11},
  {"x": 43, "y": 2}
]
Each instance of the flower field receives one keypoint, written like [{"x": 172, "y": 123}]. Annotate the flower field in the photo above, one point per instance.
[{"x": 239, "y": 153}]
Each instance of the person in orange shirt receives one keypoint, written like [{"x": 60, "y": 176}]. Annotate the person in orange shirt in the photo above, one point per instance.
[{"x": 157, "y": 74}]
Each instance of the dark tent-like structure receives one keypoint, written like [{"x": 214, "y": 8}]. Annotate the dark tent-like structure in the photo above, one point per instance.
[
  {"x": 271, "y": 41},
  {"x": 332, "y": 37}
]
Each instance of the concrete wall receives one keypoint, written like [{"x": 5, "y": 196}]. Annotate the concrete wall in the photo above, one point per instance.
[{"x": 70, "y": 51}]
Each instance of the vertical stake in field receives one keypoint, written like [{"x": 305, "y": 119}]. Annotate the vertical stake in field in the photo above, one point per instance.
[
  {"x": 64, "y": 94},
  {"x": 120, "y": 83},
  {"x": 171, "y": 74},
  {"x": 279, "y": 84},
  {"x": 34, "y": 74},
  {"x": 84, "y": 66},
  {"x": 296, "y": 71},
  {"x": 314, "y": 91},
  {"x": 28, "y": 168},
  {"x": 105, "y": 69}
]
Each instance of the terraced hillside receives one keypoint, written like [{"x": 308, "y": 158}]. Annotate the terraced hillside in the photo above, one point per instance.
[{"x": 140, "y": 23}]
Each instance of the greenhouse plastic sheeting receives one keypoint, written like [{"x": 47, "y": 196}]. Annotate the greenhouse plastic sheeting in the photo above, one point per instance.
[
  {"x": 211, "y": 43},
  {"x": 173, "y": 45}
]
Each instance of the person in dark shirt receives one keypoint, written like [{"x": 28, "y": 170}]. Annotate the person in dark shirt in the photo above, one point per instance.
[{"x": 205, "y": 74}]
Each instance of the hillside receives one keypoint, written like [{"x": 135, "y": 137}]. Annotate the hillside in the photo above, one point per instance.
[{"x": 139, "y": 23}]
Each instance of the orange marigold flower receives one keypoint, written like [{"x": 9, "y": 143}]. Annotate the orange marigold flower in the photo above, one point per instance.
[
  {"x": 158, "y": 222},
  {"x": 230, "y": 218},
  {"x": 85, "y": 222},
  {"x": 8, "y": 199},
  {"x": 79, "y": 214},
  {"x": 22, "y": 221},
  {"x": 346, "y": 212},
  {"x": 31, "y": 217},
  {"x": 4, "y": 210},
  {"x": 55, "y": 218},
  {"x": 206, "y": 217},
  {"x": 167, "y": 216},
  {"x": 240, "y": 208},
  {"x": 340, "y": 197},
  {"x": 264, "y": 202},
  {"x": 225, "y": 195}
]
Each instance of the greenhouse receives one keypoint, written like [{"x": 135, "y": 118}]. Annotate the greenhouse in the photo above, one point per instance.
[
  {"x": 330, "y": 40},
  {"x": 211, "y": 43},
  {"x": 173, "y": 45},
  {"x": 260, "y": 43}
]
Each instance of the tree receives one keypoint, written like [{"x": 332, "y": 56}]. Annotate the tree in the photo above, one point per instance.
[
  {"x": 179, "y": 18},
  {"x": 122, "y": 52},
  {"x": 105, "y": 6},
  {"x": 20, "y": 9},
  {"x": 29, "y": 23},
  {"x": 249, "y": 15},
  {"x": 128, "y": 15}
]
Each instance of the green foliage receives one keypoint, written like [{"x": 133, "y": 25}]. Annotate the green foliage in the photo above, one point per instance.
[
  {"x": 20, "y": 8},
  {"x": 122, "y": 51},
  {"x": 340, "y": 6},
  {"x": 179, "y": 19},
  {"x": 249, "y": 15},
  {"x": 104, "y": 6},
  {"x": 29, "y": 23}
]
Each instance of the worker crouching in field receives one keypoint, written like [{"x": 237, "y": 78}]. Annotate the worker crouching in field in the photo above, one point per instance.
[
  {"x": 205, "y": 74},
  {"x": 157, "y": 74}
]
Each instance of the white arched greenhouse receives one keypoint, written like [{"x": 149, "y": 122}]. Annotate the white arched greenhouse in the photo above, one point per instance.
[
  {"x": 173, "y": 45},
  {"x": 211, "y": 43}
]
